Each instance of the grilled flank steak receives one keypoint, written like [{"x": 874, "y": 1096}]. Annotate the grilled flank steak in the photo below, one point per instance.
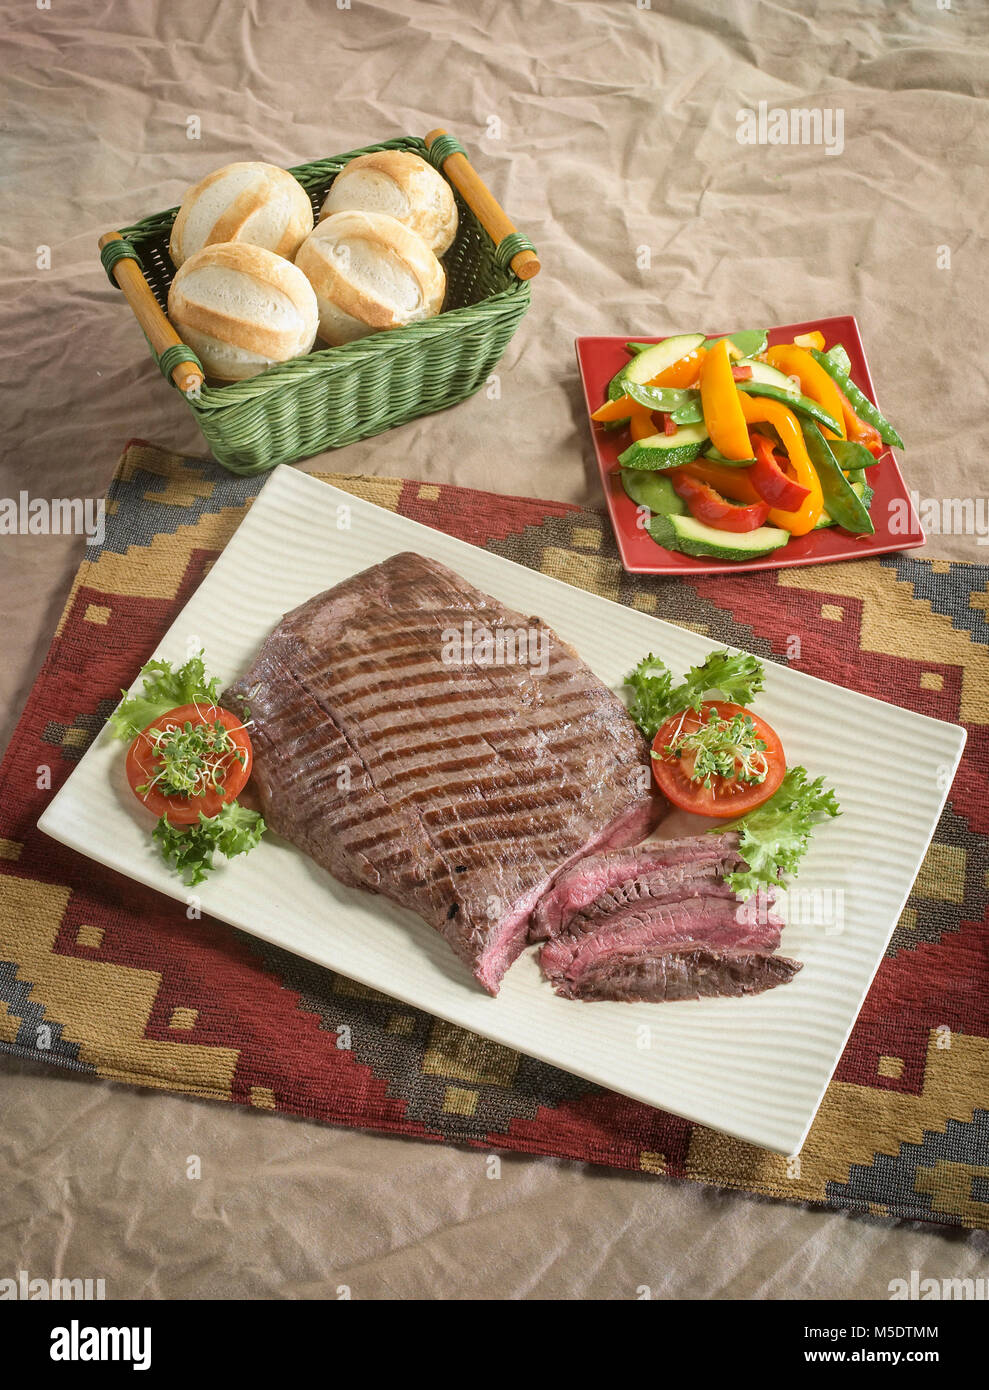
[{"x": 457, "y": 789}]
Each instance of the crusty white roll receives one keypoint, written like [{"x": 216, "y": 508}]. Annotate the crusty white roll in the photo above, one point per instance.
[
  {"x": 369, "y": 273},
  {"x": 242, "y": 309},
  {"x": 402, "y": 185},
  {"x": 251, "y": 202}
]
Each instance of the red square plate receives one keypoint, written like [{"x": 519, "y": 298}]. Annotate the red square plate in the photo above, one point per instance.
[{"x": 600, "y": 358}]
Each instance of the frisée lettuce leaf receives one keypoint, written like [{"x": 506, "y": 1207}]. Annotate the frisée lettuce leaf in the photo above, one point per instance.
[
  {"x": 164, "y": 690},
  {"x": 650, "y": 682},
  {"x": 736, "y": 677},
  {"x": 775, "y": 835},
  {"x": 189, "y": 849}
]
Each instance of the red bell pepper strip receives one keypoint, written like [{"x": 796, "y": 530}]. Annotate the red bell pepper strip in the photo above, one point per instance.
[
  {"x": 769, "y": 480},
  {"x": 670, "y": 426},
  {"x": 710, "y": 507},
  {"x": 858, "y": 430},
  {"x": 743, "y": 373}
]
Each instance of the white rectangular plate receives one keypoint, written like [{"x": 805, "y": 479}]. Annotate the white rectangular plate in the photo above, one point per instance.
[{"x": 756, "y": 1068}]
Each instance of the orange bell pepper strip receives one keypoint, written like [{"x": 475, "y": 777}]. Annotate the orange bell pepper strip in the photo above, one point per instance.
[
  {"x": 730, "y": 482},
  {"x": 619, "y": 409},
  {"x": 723, "y": 416},
  {"x": 640, "y": 423},
  {"x": 809, "y": 340},
  {"x": 814, "y": 380},
  {"x": 758, "y": 409},
  {"x": 681, "y": 374}
]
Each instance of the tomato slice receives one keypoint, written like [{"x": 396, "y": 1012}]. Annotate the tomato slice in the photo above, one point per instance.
[
  {"x": 726, "y": 796},
  {"x": 231, "y": 765}
]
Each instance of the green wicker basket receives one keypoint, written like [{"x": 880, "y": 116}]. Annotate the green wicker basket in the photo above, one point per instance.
[{"x": 337, "y": 395}]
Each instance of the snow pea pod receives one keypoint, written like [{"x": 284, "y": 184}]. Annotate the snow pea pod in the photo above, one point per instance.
[
  {"x": 851, "y": 455},
  {"x": 683, "y": 405},
  {"x": 803, "y": 405},
  {"x": 748, "y": 341},
  {"x": 861, "y": 403},
  {"x": 840, "y": 358},
  {"x": 841, "y": 502}
]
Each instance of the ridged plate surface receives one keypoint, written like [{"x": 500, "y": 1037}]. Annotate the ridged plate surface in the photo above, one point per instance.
[{"x": 756, "y": 1068}]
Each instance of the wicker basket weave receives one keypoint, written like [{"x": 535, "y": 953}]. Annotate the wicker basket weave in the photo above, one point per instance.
[{"x": 340, "y": 394}]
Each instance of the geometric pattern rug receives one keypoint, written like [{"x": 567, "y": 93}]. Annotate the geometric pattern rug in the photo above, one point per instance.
[{"x": 97, "y": 975}]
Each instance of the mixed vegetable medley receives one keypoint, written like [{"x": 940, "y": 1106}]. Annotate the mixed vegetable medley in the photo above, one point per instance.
[
  {"x": 713, "y": 757},
  {"x": 736, "y": 446},
  {"x": 188, "y": 760}
]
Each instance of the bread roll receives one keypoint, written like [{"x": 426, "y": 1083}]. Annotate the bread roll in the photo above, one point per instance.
[
  {"x": 369, "y": 272},
  {"x": 403, "y": 186},
  {"x": 241, "y": 309},
  {"x": 255, "y": 203}
]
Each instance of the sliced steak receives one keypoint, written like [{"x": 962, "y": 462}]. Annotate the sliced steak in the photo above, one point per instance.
[
  {"x": 580, "y": 886},
  {"x": 457, "y": 789},
  {"x": 599, "y": 957},
  {"x": 708, "y": 919},
  {"x": 667, "y": 885},
  {"x": 689, "y": 972}
]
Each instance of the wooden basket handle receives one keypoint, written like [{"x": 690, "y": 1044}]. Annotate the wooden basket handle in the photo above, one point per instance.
[
  {"x": 159, "y": 332},
  {"x": 485, "y": 207}
]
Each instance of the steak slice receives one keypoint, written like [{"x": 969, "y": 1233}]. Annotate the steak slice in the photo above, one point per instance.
[
  {"x": 668, "y": 885},
  {"x": 457, "y": 789},
  {"x": 708, "y": 918},
  {"x": 657, "y": 951},
  {"x": 689, "y": 972},
  {"x": 580, "y": 886}
]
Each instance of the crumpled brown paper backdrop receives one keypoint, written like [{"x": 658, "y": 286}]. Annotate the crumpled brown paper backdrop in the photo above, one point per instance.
[{"x": 604, "y": 127}]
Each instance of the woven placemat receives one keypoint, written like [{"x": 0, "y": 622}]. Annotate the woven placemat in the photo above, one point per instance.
[{"x": 96, "y": 975}]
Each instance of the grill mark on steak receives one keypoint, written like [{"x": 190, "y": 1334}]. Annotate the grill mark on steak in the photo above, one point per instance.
[
  {"x": 543, "y": 730},
  {"x": 486, "y": 833},
  {"x": 481, "y": 739},
  {"x": 426, "y": 794},
  {"x": 423, "y": 677},
  {"x": 403, "y": 757},
  {"x": 470, "y": 714},
  {"x": 417, "y": 817},
  {"x": 410, "y": 692},
  {"x": 269, "y": 744},
  {"x": 381, "y": 652},
  {"x": 394, "y": 639},
  {"x": 557, "y": 764},
  {"x": 424, "y": 782}
]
